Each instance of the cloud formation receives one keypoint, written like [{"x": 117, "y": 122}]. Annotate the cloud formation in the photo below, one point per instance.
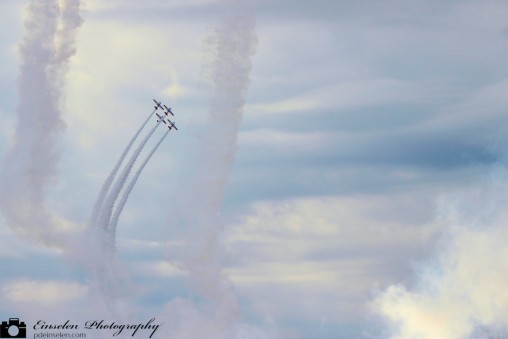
[
  {"x": 461, "y": 293},
  {"x": 46, "y": 293},
  {"x": 359, "y": 114}
]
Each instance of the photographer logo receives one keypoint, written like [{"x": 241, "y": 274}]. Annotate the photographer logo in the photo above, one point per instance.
[{"x": 13, "y": 329}]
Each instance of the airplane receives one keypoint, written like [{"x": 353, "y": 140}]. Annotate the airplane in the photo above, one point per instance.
[
  {"x": 168, "y": 110},
  {"x": 161, "y": 118},
  {"x": 169, "y": 123},
  {"x": 157, "y": 105}
]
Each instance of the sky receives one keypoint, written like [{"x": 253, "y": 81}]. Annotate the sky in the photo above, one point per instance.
[{"x": 361, "y": 176}]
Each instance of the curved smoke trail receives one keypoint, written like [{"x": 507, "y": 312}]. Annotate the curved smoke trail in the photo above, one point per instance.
[
  {"x": 104, "y": 271},
  {"x": 107, "y": 210},
  {"x": 30, "y": 166},
  {"x": 126, "y": 193},
  {"x": 109, "y": 180}
]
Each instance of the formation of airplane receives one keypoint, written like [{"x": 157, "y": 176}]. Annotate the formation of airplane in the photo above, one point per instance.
[{"x": 166, "y": 110}]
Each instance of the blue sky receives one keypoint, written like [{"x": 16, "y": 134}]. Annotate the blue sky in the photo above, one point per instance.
[{"x": 369, "y": 166}]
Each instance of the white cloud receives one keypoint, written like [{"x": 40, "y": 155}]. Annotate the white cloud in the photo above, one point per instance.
[
  {"x": 16, "y": 246},
  {"x": 136, "y": 244},
  {"x": 302, "y": 142},
  {"x": 482, "y": 110},
  {"x": 46, "y": 293},
  {"x": 97, "y": 5},
  {"x": 346, "y": 95},
  {"x": 464, "y": 289},
  {"x": 488, "y": 15},
  {"x": 157, "y": 268},
  {"x": 334, "y": 251}
]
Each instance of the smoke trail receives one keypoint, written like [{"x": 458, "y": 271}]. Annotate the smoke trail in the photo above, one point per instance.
[
  {"x": 233, "y": 42},
  {"x": 104, "y": 272},
  {"x": 107, "y": 210},
  {"x": 126, "y": 193},
  {"x": 30, "y": 166},
  {"x": 109, "y": 180},
  {"x": 64, "y": 40}
]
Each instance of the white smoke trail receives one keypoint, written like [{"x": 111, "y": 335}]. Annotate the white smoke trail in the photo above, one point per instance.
[
  {"x": 107, "y": 210},
  {"x": 109, "y": 180},
  {"x": 234, "y": 43},
  {"x": 64, "y": 40},
  {"x": 105, "y": 271},
  {"x": 126, "y": 193},
  {"x": 30, "y": 166}
]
